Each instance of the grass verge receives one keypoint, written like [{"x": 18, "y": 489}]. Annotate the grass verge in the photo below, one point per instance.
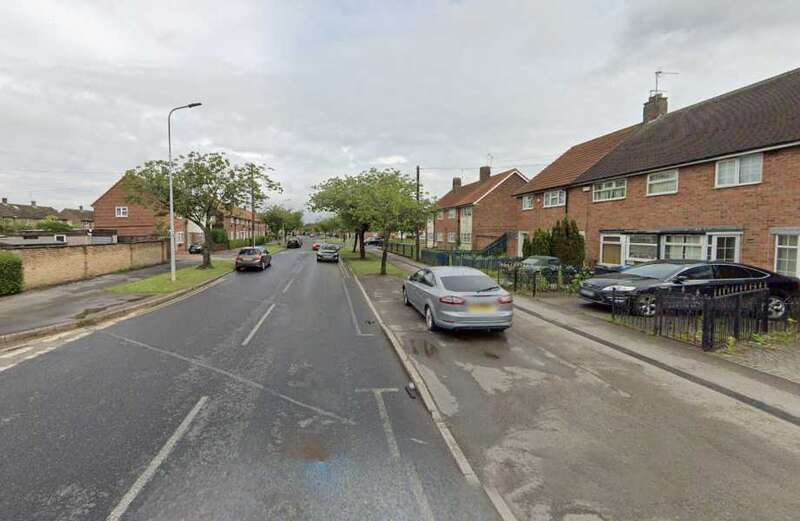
[
  {"x": 371, "y": 265},
  {"x": 184, "y": 278}
]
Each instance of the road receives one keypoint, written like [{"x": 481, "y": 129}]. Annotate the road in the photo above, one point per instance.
[{"x": 267, "y": 396}]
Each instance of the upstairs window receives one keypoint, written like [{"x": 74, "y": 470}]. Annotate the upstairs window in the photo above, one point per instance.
[
  {"x": 527, "y": 202},
  {"x": 662, "y": 183},
  {"x": 121, "y": 211},
  {"x": 466, "y": 212},
  {"x": 609, "y": 190},
  {"x": 744, "y": 170},
  {"x": 555, "y": 198},
  {"x": 439, "y": 215},
  {"x": 451, "y": 213}
]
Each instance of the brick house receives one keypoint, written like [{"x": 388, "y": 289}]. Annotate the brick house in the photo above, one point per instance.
[
  {"x": 26, "y": 214},
  {"x": 78, "y": 217},
  {"x": 472, "y": 216},
  {"x": 717, "y": 180}
]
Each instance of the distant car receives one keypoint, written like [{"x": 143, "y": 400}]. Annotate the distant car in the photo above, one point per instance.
[
  {"x": 374, "y": 241},
  {"x": 257, "y": 257},
  {"x": 196, "y": 248},
  {"x": 536, "y": 263},
  {"x": 328, "y": 252},
  {"x": 315, "y": 246},
  {"x": 458, "y": 298},
  {"x": 640, "y": 283},
  {"x": 294, "y": 242}
]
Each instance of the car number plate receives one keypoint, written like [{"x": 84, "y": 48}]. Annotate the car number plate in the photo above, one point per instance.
[
  {"x": 481, "y": 308},
  {"x": 587, "y": 292}
]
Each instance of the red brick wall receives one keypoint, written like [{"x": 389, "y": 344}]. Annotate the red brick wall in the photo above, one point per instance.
[
  {"x": 444, "y": 226},
  {"x": 496, "y": 214},
  {"x": 756, "y": 208},
  {"x": 536, "y": 218}
]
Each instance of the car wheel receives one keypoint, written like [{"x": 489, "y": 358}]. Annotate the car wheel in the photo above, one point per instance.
[
  {"x": 646, "y": 305},
  {"x": 429, "y": 320},
  {"x": 405, "y": 298},
  {"x": 776, "y": 307}
]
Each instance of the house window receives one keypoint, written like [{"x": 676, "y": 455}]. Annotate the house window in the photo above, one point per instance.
[
  {"x": 642, "y": 248},
  {"x": 451, "y": 236},
  {"x": 439, "y": 215},
  {"x": 121, "y": 211},
  {"x": 466, "y": 212},
  {"x": 439, "y": 236},
  {"x": 527, "y": 202},
  {"x": 611, "y": 249},
  {"x": 178, "y": 237},
  {"x": 683, "y": 247},
  {"x": 723, "y": 247},
  {"x": 786, "y": 255},
  {"x": 662, "y": 183},
  {"x": 609, "y": 190},
  {"x": 555, "y": 198},
  {"x": 60, "y": 238},
  {"x": 745, "y": 170},
  {"x": 451, "y": 213},
  {"x": 466, "y": 238}
]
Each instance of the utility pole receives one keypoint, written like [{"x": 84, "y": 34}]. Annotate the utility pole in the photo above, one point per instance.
[
  {"x": 416, "y": 234},
  {"x": 252, "y": 210}
]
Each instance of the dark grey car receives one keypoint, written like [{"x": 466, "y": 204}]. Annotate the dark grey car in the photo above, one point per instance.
[{"x": 458, "y": 298}]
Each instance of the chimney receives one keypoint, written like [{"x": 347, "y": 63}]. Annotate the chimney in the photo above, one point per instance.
[
  {"x": 80, "y": 207},
  {"x": 33, "y": 203},
  {"x": 655, "y": 107},
  {"x": 5, "y": 200},
  {"x": 456, "y": 183},
  {"x": 485, "y": 172}
]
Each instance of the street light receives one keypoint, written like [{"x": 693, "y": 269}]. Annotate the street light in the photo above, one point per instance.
[{"x": 171, "y": 211}]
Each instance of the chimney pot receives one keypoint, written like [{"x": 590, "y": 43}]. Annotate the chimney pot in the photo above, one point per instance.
[
  {"x": 33, "y": 203},
  {"x": 485, "y": 173},
  {"x": 5, "y": 200},
  {"x": 654, "y": 108},
  {"x": 80, "y": 207},
  {"x": 456, "y": 182}
]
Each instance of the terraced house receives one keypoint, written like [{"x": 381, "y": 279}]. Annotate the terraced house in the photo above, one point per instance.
[
  {"x": 473, "y": 216},
  {"x": 718, "y": 180}
]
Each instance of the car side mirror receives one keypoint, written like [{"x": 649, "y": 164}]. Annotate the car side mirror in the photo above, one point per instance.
[{"x": 680, "y": 279}]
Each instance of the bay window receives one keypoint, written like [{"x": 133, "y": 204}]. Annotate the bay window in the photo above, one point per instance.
[{"x": 642, "y": 248}]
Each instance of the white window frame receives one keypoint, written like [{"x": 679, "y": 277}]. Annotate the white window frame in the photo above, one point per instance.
[
  {"x": 521, "y": 236},
  {"x": 613, "y": 184},
  {"x": 439, "y": 236},
  {"x": 651, "y": 182},
  {"x": 466, "y": 238},
  {"x": 178, "y": 237},
  {"x": 466, "y": 211},
  {"x": 452, "y": 237},
  {"x": 121, "y": 212},
  {"x": 527, "y": 202},
  {"x": 60, "y": 238},
  {"x": 440, "y": 215},
  {"x": 621, "y": 243},
  {"x": 627, "y": 258},
  {"x": 703, "y": 244},
  {"x": 711, "y": 245},
  {"x": 560, "y": 198},
  {"x": 451, "y": 213},
  {"x": 778, "y": 248},
  {"x": 737, "y": 162}
]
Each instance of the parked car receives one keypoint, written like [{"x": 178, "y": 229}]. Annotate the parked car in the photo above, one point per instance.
[
  {"x": 328, "y": 252},
  {"x": 458, "y": 298},
  {"x": 195, "y": 248},
  {"x": 536, "y": 263},
  {"x": 374, "y": 241},
  {"x": 294, "y": 242},
  {"x": 315, "y": 246},
  {"x": 257, "y": 257},
  {"x": 642, "y": 281}
]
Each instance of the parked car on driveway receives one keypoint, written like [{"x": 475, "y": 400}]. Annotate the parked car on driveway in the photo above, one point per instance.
[
  {"x": 458, "y": 298},
  {"x": 294, "y": 242},
  {"x": 257, "y": 257},
  {"x": 328, "y": 252},
  {"x": 642, "y": 281},
  {"x": 536, "y": 263},
  {"x": 195, "y": 248}
]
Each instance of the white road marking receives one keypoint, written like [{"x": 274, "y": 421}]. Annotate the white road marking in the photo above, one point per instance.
[
  {"x": 233, "y": 376},
  {"x": 16, "y": 352},
  {"x": 159, "y": 458},
  {"x": 353, "y": 312},
  {"x": 416, "y": 484},
  {"x": 287, "y": 287},
  {"x": 500, "y": 504},
  {"x": 258, "y": 325}
]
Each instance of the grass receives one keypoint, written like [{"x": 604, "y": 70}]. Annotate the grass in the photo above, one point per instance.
[
  {"x": 371, "y": 265},
  {"x": 184, "y": 278}
]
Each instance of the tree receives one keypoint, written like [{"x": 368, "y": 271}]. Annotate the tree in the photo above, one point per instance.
[
  {"x": 204, "y": 185},
  {"x": 340, "y": 195},
  {"x": 567, "y": 243},
  {"x": 51, "y": 224},
  {"x": 541, "y": 243},
  {"x": 275, "y": 217}
]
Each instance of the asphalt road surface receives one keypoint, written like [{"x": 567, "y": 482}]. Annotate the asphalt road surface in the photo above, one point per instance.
[{"x": 268, "y": 396}]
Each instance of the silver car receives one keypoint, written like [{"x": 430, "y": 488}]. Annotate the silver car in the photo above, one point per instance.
[{"x": 458, "y": 298}]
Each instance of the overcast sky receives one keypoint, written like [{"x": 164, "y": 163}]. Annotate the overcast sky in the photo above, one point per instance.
[{"x": 317, "y": 89}]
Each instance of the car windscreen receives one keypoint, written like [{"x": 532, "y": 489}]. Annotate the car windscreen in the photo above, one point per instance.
[
  {"x": 535, "y": 262},
  {"x": 467, "y": 283},
  {"x": 328, "y": 247},
  {"x": 659, "y": 271},
  {"x": 249, "y": 251}
]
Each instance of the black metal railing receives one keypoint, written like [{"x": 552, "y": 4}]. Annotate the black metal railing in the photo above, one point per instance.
[
  {"x": 710, "y": 320},
  {"x": 539, "y": 281},
  {"x": 401, "y": 248}
]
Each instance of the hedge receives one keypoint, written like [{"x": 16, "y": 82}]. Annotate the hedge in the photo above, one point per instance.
[{"x": 10, "y": 273}]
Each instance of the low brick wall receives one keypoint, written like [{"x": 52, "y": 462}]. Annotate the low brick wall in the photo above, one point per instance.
[{"x": 47, "y": 266}]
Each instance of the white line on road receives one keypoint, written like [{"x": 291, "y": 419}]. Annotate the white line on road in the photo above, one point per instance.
[
  {"x": 353, "y": 311},
  {"x": 287, "y": 287},
  {"x": 416, "y": 484},
  {"x": 258, "y": 325},
  {"x": 236, "y": 377},
  {"x": 16, "y": 352},
  {"x": 148, "y": 473}
]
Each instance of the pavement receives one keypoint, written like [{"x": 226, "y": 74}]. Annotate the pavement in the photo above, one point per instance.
[
  {"x": 67, "y": 302},
  {"x": 267, "y": 396},
  {"x": 566, "y": 427}
]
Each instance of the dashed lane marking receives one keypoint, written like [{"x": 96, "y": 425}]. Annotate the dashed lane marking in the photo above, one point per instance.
[{"x": 258, "y": 325}]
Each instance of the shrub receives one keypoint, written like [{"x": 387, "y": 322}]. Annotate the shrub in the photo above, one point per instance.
[
  {"x": 541, "y": 243},
  {"x": 239, "y": 243},
  {"x": 218, "y": 236},
  {"x": 10, "y": 273},
  {"x": 567, "y": 243},
  {"x": 260, "y": 240}
]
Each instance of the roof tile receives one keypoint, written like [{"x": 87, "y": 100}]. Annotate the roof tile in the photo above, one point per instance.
[{"x": 470, "y": 193}]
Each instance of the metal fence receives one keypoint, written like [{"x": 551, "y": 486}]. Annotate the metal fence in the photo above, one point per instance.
[
  {"x": 710, "y": 320},
  {"x": 519, "y": 278},
  {"x": 401, "y": 248}
]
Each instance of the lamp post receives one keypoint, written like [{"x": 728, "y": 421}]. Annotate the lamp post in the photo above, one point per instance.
[{"x": 171, "y": 210}]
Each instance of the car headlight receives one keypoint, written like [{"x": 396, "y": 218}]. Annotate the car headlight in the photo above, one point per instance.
[{"x": 619, "y": 288}]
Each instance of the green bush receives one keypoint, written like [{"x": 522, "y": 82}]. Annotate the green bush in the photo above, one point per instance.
[
  {"x": 541, "y": 243},
  {"x": 10, "y": 273},
  {"x": 219, "y": 236},
  {"x": 239, "y": 243},
  {"x": 567, "y": 243},
  {"x": 261, "y": 240}
]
